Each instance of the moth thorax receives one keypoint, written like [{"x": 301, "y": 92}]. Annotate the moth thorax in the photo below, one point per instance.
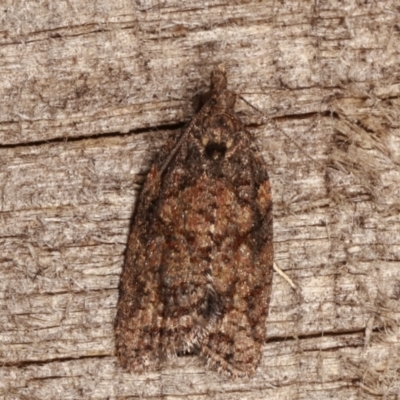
[{"x": 217, "y": 135}]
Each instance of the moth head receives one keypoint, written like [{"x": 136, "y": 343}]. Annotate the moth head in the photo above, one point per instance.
[{"x": 218, "y": 79}]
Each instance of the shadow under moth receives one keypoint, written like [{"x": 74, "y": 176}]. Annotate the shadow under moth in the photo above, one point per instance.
[{"x": 198, "y": 267}]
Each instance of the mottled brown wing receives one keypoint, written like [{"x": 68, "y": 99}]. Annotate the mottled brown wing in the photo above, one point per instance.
[{"x": 198, "y": 267}]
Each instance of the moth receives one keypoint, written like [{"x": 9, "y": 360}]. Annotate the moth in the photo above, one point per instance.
[{"x": 197, "y": 274}]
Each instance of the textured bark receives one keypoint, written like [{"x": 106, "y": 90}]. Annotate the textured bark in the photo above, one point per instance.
[{"x": 91, "y": 90}]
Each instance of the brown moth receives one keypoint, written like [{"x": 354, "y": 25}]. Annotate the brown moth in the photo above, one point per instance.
[{"x": 198, "y": 268}]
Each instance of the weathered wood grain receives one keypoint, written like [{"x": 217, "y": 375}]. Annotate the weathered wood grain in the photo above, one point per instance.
[{"x": 89, "y": 91}]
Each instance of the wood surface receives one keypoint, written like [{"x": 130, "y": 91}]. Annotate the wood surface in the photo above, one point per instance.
[{"x": 89, "y": 91}]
